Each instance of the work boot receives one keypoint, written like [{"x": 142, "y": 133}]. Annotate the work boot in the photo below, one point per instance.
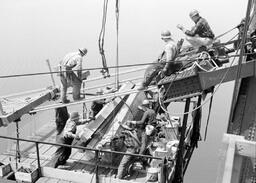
[{"x": 65, "y": 101}]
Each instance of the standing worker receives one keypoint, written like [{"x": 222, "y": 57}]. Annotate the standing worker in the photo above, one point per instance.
[
  {"x": 165, "y": 63},
  {"x": 201, "y": 34},
  {"x": 69, "y": 77}
]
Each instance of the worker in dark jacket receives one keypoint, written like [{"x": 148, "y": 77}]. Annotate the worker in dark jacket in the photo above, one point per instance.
[
  {"x": 201, "y": 34},
  {"x": 132, "y": 144},
  {"x": 148, "y": 118},
  {"x": 97, "y": 105},
  {"x": 249, "y": 50}
]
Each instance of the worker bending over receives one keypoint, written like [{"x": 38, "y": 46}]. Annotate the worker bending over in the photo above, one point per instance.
[
  {"x": 66, "y": 137},
  {"x": 69, "y": 77},
  {"x": 201, "y": 34},
  {"x": 165, "y": 63},
  {"x": 148, "y": 118}
]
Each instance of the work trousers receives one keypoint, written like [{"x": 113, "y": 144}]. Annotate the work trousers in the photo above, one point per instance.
[
  {"x": 144, "y": 142},
  {"x": 197, "y": 41},
  {"x": 123, "y": 166},
  {"x": 151, "y": 72},
  {"x": 70, "y": 80}
]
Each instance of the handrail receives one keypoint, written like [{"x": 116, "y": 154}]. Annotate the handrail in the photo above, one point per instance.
[{"x": 78, "y": 147}]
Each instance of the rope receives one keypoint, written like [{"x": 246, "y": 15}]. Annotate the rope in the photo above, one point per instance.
[
  {"x": 18, "y": 156},
  {"x": 104, "y": 70},
  {"x": 208, "y": 118}
]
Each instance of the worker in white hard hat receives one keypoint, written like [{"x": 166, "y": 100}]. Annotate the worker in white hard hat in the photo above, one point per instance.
[
  {"x": 201, "y": 34},
  {"x": 148, "y": 118},
  {"x": 166, "y": 64},
  {"x": 72, "y": 61}
]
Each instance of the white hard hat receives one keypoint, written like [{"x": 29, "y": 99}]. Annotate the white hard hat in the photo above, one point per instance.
[
  {"x": 166, "y": 34},
  {"x": 193, "y": 13},
  {"x": 145, "y": 102},
  {"x": 149, "y": 129},
  {"x": 83, "y": 51},
  {"x": 100, "y": 91}
]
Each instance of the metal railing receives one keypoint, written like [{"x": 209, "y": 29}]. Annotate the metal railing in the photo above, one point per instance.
[{"x": 97, "y": 151}]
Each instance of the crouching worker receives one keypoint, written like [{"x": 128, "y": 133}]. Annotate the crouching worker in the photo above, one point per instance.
[
  {"x": 164, "y": 63},
  {"x": 201, "y": 34},
  {"x": 69, "y": 77},
  {"x": 132, "y": 144},
  {"x": 66, "y": 137}
]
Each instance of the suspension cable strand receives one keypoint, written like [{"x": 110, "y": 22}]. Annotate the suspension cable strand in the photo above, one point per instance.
[
  {"x": 97, "y": 68},
  {"x": 117, "y": 43}
]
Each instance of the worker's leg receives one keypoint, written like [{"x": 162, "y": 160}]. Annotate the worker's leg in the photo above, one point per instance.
[
  {"x": 122, "y": 168},
  {"x": 76, "y": 88},
  {"x": 197, "y": 41},
  {"x": 64, "y": 86},
  {"x": 144, "y": 142},
  {"x": 150, "y": 73}
]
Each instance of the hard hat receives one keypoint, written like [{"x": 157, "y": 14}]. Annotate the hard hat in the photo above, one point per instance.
[
  {"x": 193, "y": 13},
  {"x": 248, "y": 43},
  {"x": 145, "y": 102},
  {"x": 100, "y": 91},
  {"x": 166, "y": 34},
  {"x": 149, "y": 129},
  {"x": 74, "y": 115},
  {"x": 83, "y": 51}
]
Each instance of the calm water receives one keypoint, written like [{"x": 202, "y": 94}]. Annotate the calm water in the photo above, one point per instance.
[{"x": 35, "y": 30}]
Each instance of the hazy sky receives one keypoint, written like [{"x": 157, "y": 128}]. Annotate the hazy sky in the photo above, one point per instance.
[{"x": 35, "y": 30}]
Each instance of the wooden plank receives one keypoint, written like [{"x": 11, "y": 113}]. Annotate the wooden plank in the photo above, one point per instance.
[
  {"x": 104, "y": 115},
  {"x": 78, "y": 177},
  {"x": 127, "y": 112},
  {"x": 42, "y": 180},
  {"x": 28, "y": 107}
]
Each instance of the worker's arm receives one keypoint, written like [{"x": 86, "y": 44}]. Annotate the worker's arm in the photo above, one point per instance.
[
  {"x": 170, "y": 56},
  {"x": 143, "y": 119}
]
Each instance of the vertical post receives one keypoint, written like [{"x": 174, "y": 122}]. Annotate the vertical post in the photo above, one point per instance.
[
  {"x": 50, "y": 69},
  {"x": 17, "y": 143},
  {"x": 38, "y": 159},
  {"x": 242, "y": 50},
  {"x": 178, "y": 175},
  {"x": 97, "y": 167}
]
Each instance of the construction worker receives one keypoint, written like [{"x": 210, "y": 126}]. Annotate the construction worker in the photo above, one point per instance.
[
  {"x": 66, "y": 137},
  {"x": 148, "y": 118},
  {"x": 97, "y": 105},
  {"x": 165, "y": 63},
  {"x": 132, "y": 144},
  {"x": 249, "y": 50},
  {"x": 70, "y": 77},
  {"x": 201, "y": 34}
]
